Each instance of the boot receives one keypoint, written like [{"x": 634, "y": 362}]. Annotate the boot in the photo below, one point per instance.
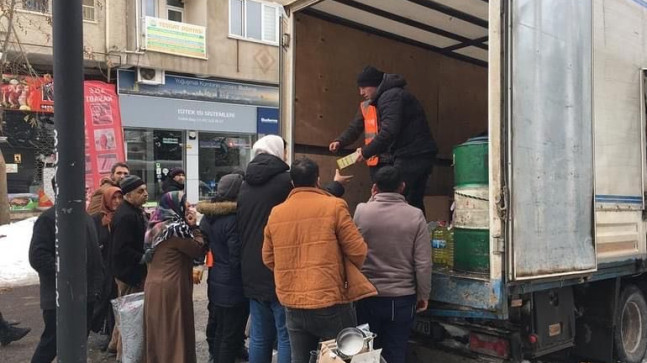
[{"x": 12, "y": 334}]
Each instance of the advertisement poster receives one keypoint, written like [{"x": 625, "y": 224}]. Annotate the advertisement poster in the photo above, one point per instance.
[
  {"x": 27, "y": 93},
  {"x": 104, "y": 144}
]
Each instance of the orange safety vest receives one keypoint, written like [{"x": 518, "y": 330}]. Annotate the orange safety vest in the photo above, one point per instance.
[{"x": 370, "y": 128}]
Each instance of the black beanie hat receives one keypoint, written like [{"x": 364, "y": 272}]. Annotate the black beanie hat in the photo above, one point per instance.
[
  {"x": 130, "y": 183},
  {"x": 175, "y": 171},
  {"x": 228, "y": 186},
  {"x": 370, "y": 77}
]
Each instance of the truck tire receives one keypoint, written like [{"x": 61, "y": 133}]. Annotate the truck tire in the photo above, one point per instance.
[{"x": 630, "y": 335}]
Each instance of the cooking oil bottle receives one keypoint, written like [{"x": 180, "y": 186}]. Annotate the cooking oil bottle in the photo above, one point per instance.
[{"x": 439, "y": 245}]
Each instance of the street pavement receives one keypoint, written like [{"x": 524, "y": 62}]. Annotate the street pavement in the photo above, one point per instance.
[{"x": 22, "y": 304}]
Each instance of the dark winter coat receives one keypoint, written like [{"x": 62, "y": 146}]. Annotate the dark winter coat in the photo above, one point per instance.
[
  {"x": 170, "y": 185},
  {"x": 267, "y": 183},
  {"x": 403, "y": 128},
  {"x": 220, "y": 228},
  {"x": 42, "y": 258},
  {"x": 129, "y": 227}
]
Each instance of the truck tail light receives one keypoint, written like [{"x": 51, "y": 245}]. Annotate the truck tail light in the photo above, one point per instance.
[{"x": 490, "y": 345}]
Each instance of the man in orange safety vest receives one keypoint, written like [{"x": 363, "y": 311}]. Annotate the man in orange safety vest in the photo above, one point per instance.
[{"x": 396, "y": 131}]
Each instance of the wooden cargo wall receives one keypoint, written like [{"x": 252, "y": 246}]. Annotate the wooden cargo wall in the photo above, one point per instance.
[{"x": 328, "y": 58}]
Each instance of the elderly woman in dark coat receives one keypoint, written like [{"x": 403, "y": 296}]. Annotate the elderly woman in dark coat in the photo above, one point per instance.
[{"x": 176, "y": 241}]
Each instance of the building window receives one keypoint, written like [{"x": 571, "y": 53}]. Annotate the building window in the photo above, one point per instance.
[
  {"x": 88, "y": 10},
  {"x": 254, "y": 20},
  {"x": 174, "y": 14},
  {"x": 41, "y": 6},
  {"x": 149, "y": 8}
]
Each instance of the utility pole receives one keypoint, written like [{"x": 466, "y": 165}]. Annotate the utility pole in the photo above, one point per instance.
[{"x": 71, "y": 281}]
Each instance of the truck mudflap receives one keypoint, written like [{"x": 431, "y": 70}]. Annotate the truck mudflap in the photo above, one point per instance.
[{"x": 467, "y": 296}]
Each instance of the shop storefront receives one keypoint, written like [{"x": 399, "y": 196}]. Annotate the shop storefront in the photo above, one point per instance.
[{"x": 205, "y": 127}]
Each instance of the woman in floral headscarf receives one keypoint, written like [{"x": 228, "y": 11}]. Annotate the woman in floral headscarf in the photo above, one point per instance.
[
  {"x": 101, "y": 210},
  {"x": 174, "y": 241}
]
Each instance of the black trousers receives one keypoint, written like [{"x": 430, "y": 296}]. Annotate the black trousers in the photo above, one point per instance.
[
  {"x": 308, "y": 327},
  {"x": 46, "y": 349},
  {"x": 230, "y": 327},
  {"x": 415, "y": 172},
  {"x": 391, "y": 318}
]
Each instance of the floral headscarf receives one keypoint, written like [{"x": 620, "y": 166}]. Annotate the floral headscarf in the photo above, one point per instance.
[{"x": 168, "y": 220}]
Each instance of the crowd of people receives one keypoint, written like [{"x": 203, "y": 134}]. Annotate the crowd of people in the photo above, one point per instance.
[{"x": 288, "y": 264}]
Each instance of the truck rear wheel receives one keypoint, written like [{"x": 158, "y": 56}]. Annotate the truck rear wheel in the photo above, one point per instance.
[{"x": 630, "y": 336}]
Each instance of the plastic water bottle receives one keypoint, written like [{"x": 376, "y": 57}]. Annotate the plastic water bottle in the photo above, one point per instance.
[{"x": 439, "y": 245}]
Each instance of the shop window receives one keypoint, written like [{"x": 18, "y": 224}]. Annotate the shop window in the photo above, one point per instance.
[
  {"x": 41, "y": 6},
  {"x": 28, "y": 150},
  {"x": 150, "y": 154},
  {"x": 254, "y": 20},
  {"x": 219, "y": 155},
  {"x": 88, "y": 10}
]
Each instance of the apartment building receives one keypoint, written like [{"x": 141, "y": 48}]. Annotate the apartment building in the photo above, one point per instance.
[{"x": 197, "y": 81}]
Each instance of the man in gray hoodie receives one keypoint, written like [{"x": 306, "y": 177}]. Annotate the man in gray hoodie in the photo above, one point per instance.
[{"x": 398, "y": 263}]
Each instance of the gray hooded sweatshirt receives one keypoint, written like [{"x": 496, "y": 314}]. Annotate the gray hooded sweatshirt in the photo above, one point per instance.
[{"x": 398, "y": 262}]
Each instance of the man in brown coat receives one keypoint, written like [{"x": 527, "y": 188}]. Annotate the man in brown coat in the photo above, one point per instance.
[{"x": 316, "y": 253}]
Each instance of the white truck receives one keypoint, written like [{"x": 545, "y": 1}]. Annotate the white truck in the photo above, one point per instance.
[{"x": 560, "y": 87}]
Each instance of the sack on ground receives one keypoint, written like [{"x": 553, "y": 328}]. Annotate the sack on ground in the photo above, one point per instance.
[{"x": 129, "y": 317}]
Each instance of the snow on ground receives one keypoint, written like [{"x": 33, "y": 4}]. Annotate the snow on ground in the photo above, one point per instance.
[{"x": 14, "y": 254}]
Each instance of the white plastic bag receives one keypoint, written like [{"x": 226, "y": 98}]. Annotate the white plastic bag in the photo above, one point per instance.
[{"x": 129, "y": 317}]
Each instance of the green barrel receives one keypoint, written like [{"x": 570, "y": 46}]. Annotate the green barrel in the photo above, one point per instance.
[
  {"x": 471, "y": 163},
  {"x": 472, "y": 250}
]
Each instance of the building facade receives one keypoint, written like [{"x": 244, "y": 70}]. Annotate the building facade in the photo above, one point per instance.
[{"x": 197, "y": 80}]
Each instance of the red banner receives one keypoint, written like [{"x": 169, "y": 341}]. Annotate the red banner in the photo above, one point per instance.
[
  {"x": 104, "y": 143},
  {"x": 26, "y": 93}
]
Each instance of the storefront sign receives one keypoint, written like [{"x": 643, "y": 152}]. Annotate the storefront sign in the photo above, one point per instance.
[
  {"x": 198, "y": 89},
  {"x": 103, "y": 134},
  {"x": 267, "y": 121},
  {"x": 26, "y": 93},
  {"x": 166, "y": 113},
  {"x": 172, "y": 37}
]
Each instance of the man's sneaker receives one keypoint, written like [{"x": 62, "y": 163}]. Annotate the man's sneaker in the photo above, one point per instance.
[{"x": 12, "y": 334}]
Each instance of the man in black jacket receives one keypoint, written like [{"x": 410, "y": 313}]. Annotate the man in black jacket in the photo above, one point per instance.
[
  {"x": 403, "y": 138},
  {"x": 42, "y": 257},
  {"x": 128, "y": 257},
  {"x": 174, "y": 181},
  {"x": 267, "y": 183}
]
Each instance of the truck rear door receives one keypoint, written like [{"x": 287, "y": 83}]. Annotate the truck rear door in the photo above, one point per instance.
[{"x": 550, "y": 226}]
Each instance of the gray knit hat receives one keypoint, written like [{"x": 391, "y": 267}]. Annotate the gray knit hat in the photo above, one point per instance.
[
  {"x": 130, "y": 183},
  {"x": 228, "y": 186}
]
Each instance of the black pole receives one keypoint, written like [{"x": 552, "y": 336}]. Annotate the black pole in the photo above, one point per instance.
[{"x": 71, "y": 281}]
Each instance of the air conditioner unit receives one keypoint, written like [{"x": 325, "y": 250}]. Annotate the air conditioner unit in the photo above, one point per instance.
[{"x": 150, "y": 76}]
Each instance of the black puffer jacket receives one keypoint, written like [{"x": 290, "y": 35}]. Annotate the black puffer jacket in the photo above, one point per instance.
[
  {"x": 42, "y": 258},
  {"x": 267, "y": 184},
  {"x": 170, "y": 185},
  {"x": 221, "y": 230},
  {"x": 129, "y": 227},
  {"x": 403, "y": 128}
]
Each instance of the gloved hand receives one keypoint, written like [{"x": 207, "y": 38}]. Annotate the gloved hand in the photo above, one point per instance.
[{"x": 147, "y": 257}]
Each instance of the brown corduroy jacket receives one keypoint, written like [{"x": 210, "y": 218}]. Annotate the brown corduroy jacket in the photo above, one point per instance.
[{"x": 316, "y": 252}]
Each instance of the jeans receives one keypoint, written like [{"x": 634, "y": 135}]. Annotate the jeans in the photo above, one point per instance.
[
  {"x": 230, "y": 327},
  {"x": 308, "y": 327},
  {"x": 268, "y": 324},
  {"x": 391, "y": 319}
]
